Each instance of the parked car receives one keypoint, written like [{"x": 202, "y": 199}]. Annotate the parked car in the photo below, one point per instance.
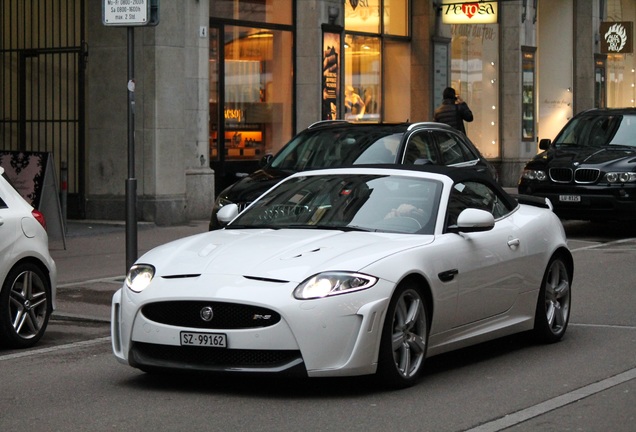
[
  {"x": 589, "y": 171},
  {"x": 335, "y": 143},
  {"x": 349, "y": 271},
  {"x": 27, "y": 272}
]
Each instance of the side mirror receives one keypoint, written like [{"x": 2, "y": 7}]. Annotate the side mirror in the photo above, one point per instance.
[
  {"x": 227, "y": 213},
  {"x": 473, "y": 220},
  {"x": 265, "y": 160},
  {"x": 544, "y": 144}
]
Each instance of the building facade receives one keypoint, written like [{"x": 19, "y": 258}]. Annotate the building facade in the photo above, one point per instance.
[{"x": 218, "y": 84}]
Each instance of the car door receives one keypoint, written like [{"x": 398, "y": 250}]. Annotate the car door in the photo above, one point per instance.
[{"x": 487, "y": 262}]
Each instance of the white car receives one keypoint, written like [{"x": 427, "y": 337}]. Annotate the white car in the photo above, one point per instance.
[
  {"x": 348, "y": 272},
  {"x": 27, "y": 272}
]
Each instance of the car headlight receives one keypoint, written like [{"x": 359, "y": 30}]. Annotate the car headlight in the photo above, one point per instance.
[
  {"x": 139, "y": 277},
  {"x": 333, "y": 283},
  {"x": 620, "y": 177},
  {"x": 538, "y": 175}
]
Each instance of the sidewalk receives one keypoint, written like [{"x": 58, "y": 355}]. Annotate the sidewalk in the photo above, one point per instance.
[{"x": 93, "y": 265}]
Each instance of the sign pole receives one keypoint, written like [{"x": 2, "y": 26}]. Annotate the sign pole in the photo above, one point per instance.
[
  {"x": 130, "y": 14},
  {"x": 131, "y": 182}
]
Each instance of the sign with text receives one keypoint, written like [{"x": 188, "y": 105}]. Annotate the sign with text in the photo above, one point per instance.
[
  {"x": 481, "y": 12},
  {"x": 126, "y": 12},
  {"x": 617, "y": 37}
]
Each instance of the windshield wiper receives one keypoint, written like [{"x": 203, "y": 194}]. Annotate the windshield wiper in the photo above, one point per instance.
[
  {"x": 238, "y": 226},
  {"x": 346, "y": 228}
]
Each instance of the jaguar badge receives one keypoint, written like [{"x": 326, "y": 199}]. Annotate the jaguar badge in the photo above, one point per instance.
[{"x": 207, "y": 314}]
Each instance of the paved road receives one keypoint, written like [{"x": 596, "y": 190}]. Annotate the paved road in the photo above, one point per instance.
[{"x": 587, "y": 382}]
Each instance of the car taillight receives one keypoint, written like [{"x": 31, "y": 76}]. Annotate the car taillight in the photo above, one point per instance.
[{"x": 39, "y": 217}]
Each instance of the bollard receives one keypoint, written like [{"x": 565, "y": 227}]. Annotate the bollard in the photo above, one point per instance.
[{"x": 63, "y": 191}]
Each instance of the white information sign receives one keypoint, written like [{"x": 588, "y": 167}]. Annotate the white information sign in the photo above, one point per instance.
[{"x": 126, "y": 12}]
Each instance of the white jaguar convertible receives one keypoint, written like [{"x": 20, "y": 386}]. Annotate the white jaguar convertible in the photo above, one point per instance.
[{"x": 366, "y": 270}]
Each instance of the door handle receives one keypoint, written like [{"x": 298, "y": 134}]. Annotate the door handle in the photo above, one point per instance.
[
  {"x": 513, "y": 243},
  {"x": 448, "y": 275}
]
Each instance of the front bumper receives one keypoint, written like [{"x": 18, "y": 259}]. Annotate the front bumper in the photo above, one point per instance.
[
  {"x": 615, "y": 202},
  {"x": 335, "y": 336}
]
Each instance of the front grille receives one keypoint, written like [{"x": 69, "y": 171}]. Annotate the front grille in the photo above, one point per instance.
[
  {"x": 224, "y": 315},
  {"x": 561, "y": 175},
  {"x": 586, "y": 175},
  {"x": 210, "y": 358}
]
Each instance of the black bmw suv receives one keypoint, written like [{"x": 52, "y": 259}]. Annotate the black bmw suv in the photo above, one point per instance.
[
  {"x": 329, "y": 144},
  {"x": 589, "y": 171}
]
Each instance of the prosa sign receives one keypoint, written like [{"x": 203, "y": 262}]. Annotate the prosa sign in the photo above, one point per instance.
[{"x": 457, "y": 12}]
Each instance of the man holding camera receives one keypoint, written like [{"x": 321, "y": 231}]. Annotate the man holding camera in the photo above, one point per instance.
[{"x": 453, "y": 111}]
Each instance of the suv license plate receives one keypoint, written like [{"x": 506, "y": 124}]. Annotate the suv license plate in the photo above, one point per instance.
[
  {"x": 216, "y": 340},
  {"x": 570, "y": 198}
]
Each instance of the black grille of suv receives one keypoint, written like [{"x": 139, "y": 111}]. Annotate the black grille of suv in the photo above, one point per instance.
[
  {"x": 561, "y": 175},
  {"x": 581, "y": 175},
  {"x": 224, "y": 315},
  {"x": 586, "y": 175}
]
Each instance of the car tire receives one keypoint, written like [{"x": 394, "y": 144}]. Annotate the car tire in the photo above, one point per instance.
[
  {"x": 25, "y": 306},
  {"x": 553, "y": 305},
  {"x": 404, "y": 338}
]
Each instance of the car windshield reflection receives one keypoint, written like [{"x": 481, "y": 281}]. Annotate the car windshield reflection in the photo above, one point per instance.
[
  {"x": 377, "y": 203},
  {"x": 599, "y": 131},
  {"x": 330, "y": 148}
]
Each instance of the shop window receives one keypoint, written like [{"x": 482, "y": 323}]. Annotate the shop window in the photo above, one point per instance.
[
  {"x": 264, "y": 11},
  {"x": 362, "y": 78},
  {"x": 528, "y": 94},
  {"x": 474, "y": 76},
  {"x": 396, "y": 17},
  {"x": 257, "y": 93},
  {"x": 364, "y": 16}
]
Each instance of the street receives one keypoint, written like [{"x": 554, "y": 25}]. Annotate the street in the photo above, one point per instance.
[{"x": 586, "y": 382}]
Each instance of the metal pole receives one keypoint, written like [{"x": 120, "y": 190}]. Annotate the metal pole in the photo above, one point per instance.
[{"x": 131, "y": 182}]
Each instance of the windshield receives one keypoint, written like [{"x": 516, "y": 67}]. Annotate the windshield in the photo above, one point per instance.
[
  {"x": 348, "y": 202},
  {"x": 336, "y": 147},
  {"x": 599, "y": 131}
]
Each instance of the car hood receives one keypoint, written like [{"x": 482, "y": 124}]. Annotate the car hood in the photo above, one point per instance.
[
  {"x": 286, "y": 255},
  {"x": 585, "y": 155},
  {"x": 251, "y": 187}
]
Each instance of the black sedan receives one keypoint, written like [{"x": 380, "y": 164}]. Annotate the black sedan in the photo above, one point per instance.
[
  {"x": 589, "y": 170},
  {"x": 331, "y": 144}
]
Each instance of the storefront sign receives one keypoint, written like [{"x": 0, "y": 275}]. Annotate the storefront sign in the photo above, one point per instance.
[
  {"x": 330, "y": 75},
  {"x": 617, "y": 37},
  {"x": 481, "y": 12}
]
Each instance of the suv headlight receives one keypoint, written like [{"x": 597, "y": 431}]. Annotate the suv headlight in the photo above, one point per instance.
[
  {"x": 537, "y": 175},
  {"x": 333, "y": 283},
  {"x": 139, "y": 277},
  {"x": 220, "y": 202},
  {"x": 620, "y": 177}
]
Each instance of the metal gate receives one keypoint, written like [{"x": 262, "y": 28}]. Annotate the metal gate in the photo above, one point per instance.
[{"x": 42, "y": 68}]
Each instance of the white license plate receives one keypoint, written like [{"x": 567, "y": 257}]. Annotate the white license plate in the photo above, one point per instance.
[
  {"x": 216, "y": 340},
  {"x": 570, "y": 198}
]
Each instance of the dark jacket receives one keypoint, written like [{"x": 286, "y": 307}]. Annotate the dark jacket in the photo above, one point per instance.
[{"x": 453, "y": 114}]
